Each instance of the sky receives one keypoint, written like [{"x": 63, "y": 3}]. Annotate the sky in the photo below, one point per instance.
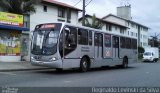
[{"x": 145, "y": 12}]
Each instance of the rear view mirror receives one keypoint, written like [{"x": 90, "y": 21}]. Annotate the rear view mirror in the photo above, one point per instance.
[{"x": 67, "y": 30}]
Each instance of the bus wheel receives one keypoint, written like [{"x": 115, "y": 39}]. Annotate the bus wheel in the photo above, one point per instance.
[
  {"x": 59, "y": 69},
  {"x": 84, "y": 66},
  {"x": 125, "y": 62}
]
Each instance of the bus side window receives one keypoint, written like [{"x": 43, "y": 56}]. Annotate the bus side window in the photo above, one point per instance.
[
  {"x": 71, "y": 37},
  {"x": 96, "y": 39},
  {"x": 107, "y": 40},
  {"x": 82, "y": 37},
  {"x": 113, "y": 42},
  {"x": 122, "y": 42},
  {"x": 134, "y": 44},
  {"x": 100, "y": 39},
  {"x": 128, "y": 43}
]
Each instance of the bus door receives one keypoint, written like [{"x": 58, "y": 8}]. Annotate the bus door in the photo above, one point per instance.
[
  {"x": 68, "y": 46},
  {"x": 98, "y": 49},
  {"x": 115, "y": 42}
]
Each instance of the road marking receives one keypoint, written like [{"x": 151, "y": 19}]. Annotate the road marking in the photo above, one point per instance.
[
  {"x": 44, "y": 78},
  {"x": 7, "y": 73}
]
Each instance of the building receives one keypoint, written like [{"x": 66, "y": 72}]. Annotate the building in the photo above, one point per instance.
[
  {"x": 135, "y": 29},
  {"x": 111, "y": 27},
  {"x": 11, "y": 27},
  {"x": 47, "y": 11},
  {"x": 122, "y": 24}
]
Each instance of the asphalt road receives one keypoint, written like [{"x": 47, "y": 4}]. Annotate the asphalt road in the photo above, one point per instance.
[{"x": 137, "y": 75}]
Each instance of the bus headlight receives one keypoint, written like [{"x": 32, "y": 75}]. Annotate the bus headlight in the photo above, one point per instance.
[
  {"x": 32, "y": 58},
  {"x": 53, "y": 59}
]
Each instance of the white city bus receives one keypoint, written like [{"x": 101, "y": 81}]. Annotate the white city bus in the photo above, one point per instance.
[{"x": 64, "y": 46}]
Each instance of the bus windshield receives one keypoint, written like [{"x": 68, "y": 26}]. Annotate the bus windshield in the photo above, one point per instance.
[{"x": 44, "y": 41}]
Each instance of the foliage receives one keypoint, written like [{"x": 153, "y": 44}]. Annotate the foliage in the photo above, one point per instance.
[
  {"x": 154, "y": 42},
  {"x": 97, "y": 24},
  {"x": 141, "y": 50},
  {"x": 19, "y": 6}
]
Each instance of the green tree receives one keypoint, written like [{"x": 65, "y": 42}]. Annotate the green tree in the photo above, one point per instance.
[
  {"x": 24, "y": 7},
  {"x": 140, "y": 52},
  {"x": 97, "y": 24}
]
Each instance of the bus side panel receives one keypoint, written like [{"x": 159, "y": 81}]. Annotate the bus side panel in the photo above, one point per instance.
[
  {"x": 134, "y": 56},
  {"x": 130, "y": 53},
  {"x": 71, "y": 60},
  {"x": 107, "y": 59},
  {"x": 116, "y": 60},
  {"x": 97, "y": 58},
  {"x": 86, "y": 50},
  {"x": 71, "y": 63}
]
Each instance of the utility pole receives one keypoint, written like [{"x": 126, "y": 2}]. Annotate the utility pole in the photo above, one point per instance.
[{"x": 83, "y": 14}]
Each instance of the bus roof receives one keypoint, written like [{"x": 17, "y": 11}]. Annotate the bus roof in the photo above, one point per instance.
[{"x": 84, "y": 27}]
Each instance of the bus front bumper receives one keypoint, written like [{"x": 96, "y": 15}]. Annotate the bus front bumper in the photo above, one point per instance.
[{"x": 52, "y": 64}]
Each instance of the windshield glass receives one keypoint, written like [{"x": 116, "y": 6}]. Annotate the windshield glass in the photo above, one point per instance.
[
  {"x": 147, "y": 54},
  {"x": 44, "y": 41}
]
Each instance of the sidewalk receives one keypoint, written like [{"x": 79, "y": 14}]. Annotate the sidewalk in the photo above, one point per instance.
[{"x": 19, "y": 66}]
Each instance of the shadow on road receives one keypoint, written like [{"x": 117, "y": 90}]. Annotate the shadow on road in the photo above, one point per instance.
[
  {"x": 150, "y": 62},
  {"x": 76, "y": 71}
]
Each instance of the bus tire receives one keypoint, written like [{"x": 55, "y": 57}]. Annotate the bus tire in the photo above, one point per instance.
[
  {"x": 125, "y": 62},
  {"x": 59, "y": 69},
  {"x": 84, "y": 65}
]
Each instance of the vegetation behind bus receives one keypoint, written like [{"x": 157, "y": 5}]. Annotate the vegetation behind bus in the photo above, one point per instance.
[
  {"x": 95, "y": 23},
  {"x": 19, "y": 6}
]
